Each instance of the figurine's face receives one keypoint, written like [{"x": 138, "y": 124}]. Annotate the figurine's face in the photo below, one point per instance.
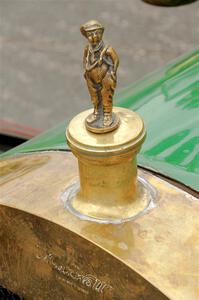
[{"x": 94, "y": 36}]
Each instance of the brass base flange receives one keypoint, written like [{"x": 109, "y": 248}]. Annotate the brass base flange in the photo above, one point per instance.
[
  {"x": 107, "y": 168},
  {"x": 109, "y": 214}
]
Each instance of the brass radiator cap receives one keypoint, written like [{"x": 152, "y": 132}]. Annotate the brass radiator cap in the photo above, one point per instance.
[
  {"x": 109, "y": 191},
  {"x": 128, "y": 136}
]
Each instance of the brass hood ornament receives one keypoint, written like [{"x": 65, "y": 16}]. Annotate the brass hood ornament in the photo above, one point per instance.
[
  {"x": 100, "y": 63},
  {"x": 105, "y": 142}
]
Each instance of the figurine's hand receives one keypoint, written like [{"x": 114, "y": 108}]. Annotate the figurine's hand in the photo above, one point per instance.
[
  {"x": 100, "y": 61},
  {"x": 114, "y": 76}
]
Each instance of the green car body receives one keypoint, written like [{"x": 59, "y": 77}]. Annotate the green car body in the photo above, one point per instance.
[{"x": 168, "y": 101}]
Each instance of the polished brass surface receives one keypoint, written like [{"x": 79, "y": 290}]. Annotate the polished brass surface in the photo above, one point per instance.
[
  {"x": 49, "y": 247},
  {"x": 129, "y": 135},
  {"x": 107, "y": 168},
  {"x": 55, "y": 263},
  {"x": 100, "y": 63}
]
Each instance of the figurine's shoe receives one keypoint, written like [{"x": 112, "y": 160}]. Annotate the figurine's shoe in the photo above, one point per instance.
[
  {"x": 91, "y": 118},
  {"x": 107, "y": 120}
]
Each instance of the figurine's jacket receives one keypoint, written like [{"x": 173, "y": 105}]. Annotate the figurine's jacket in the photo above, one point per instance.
[{"x": 97, "y": 63}]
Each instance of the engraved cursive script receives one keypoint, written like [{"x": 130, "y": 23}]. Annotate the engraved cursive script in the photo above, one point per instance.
[{"x": 88, "y": 280}]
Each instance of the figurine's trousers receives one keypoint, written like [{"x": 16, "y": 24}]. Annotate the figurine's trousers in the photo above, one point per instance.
[{"x": 102, "y": 91}]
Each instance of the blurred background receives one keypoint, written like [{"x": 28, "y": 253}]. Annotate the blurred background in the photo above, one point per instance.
[{"x": 41, "y": 48}]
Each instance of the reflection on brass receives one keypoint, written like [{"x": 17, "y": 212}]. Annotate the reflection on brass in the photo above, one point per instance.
[
  {"x": 55, "y": 263},
  {"x": 107, "y": 168},
  {"x": 48, "y": 253},
  {"x": 100, "y": 63}
]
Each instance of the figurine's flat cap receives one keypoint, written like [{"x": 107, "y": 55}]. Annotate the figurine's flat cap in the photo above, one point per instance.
[{"x": 90, "y": 26}]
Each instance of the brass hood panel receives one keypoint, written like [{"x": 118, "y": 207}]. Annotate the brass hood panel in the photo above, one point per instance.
[{"x": 158, "y": 250}]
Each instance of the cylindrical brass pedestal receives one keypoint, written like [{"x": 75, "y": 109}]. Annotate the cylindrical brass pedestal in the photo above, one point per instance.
[{"x": 107, "y": 168}]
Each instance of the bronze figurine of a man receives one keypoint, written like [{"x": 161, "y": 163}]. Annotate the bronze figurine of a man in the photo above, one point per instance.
[{"x": 100, "y": 66}]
